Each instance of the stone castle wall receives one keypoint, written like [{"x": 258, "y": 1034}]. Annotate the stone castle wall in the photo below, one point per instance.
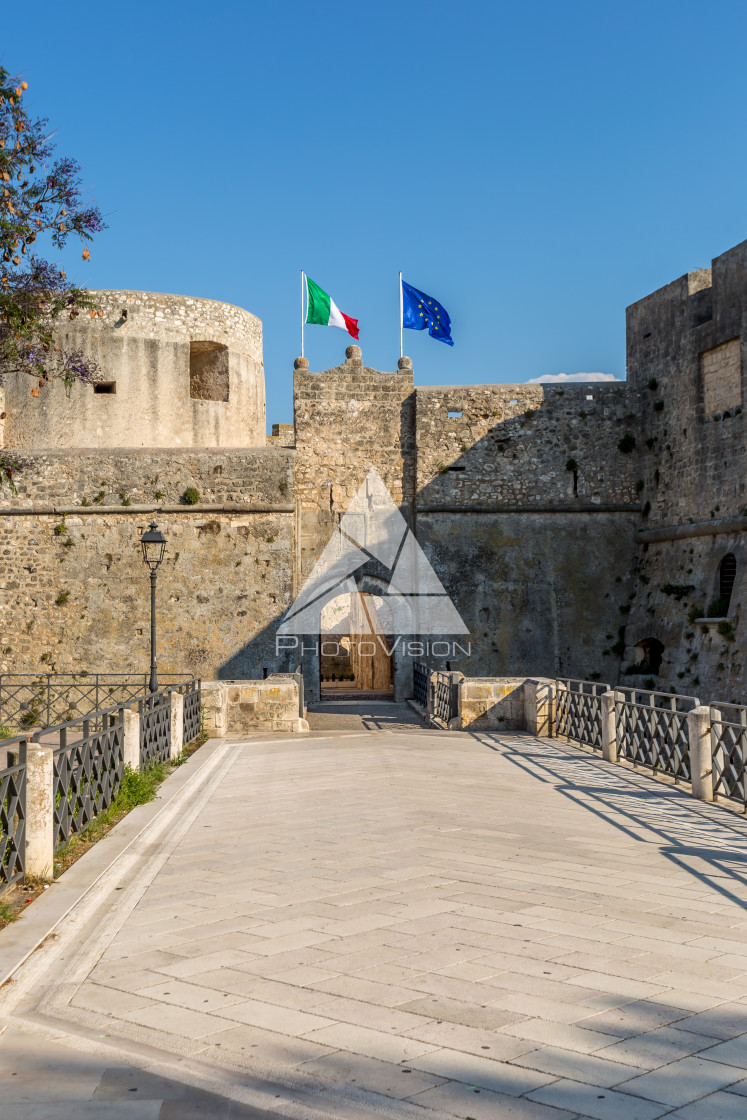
[
  {"x": 527, "y": 549},
  {"x": 686, "y": 369},
  {"x": 532, "y": 445},
  {"x": 180, "y": 372},
  {"x": 74, "y": 591}
]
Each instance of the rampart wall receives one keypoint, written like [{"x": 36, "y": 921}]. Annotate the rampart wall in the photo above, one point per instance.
[{"x": 74, "y": 591}]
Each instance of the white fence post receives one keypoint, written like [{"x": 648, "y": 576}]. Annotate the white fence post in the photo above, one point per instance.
[
  {"x": 131, "y": 751},
  {"x": 609, "y": 730},
  {"x": 539, "y": 704},
  {"x": 456, "y": 684},
  {"x": 701, "y": 758},
  {"x": 40, "y": 811},
  {"x": 177, "y": 723}
]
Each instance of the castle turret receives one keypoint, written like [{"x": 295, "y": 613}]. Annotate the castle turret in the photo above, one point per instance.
[{"x": 173, "y": 371}]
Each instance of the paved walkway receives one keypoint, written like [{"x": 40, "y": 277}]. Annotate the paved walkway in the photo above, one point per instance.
[
  {"x": 363, "y": 715},
  {"x": 405, "y": 925}
]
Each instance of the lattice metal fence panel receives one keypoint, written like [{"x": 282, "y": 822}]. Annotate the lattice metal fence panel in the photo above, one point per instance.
[
  {"x": 47, "y": 699},
  {"x": 13, "y": 812},
  {"x": 652, "y": 730},
  {"x": 88, "y": 769},
  {"x": 578, "y": 711},
  {"x": 155, "y": 728},
  {"x": 420, "y": 683},
  {"x": 729, "y": 749},
  {"x": 192, "y": 694},
  {"x": 446, "y": 703}
]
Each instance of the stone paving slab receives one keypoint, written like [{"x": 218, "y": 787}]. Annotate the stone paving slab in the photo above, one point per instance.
[
  {"x": 362, "y": 715},
  {"x": 436, "y": 925}
]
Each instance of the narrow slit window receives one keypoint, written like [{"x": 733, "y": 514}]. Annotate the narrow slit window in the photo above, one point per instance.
[
  {"x": 727, "y": 574},
  {"x": 105, "y": 387},
  {"x": 456, "y": 414}
]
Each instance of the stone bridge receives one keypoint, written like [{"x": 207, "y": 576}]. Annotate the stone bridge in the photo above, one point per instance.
[{"x": 380, "y": 920}]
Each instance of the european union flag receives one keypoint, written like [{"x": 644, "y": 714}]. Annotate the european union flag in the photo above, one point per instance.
[{"x": 420, "y": 311}]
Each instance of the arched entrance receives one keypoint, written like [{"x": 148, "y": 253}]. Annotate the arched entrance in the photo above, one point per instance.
[{"x": 356, "y": 647}]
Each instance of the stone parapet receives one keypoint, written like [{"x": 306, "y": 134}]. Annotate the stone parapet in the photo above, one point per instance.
[
  {"x": 233, "y": 707},
  {"x": 490, "y": 704}
]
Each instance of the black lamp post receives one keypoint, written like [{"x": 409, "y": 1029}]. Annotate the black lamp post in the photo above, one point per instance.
[{"x": 153, "y": 544}]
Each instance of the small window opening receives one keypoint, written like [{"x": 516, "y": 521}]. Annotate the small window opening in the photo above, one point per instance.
[
  {"x": 208, "y": 371},
  {"x": 105, "y": 387},
  {"x": 727, "y": 573},
  {"x": 513, "y": 402},
  {"x": 649, "y": 653},
  {"x": 455, "y": 414},
  {"x": 456, "y": 468}
]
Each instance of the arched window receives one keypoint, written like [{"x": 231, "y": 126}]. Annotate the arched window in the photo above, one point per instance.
[
  {"x": 649, "y": 652},
  {"x": 727, "y": 573}
]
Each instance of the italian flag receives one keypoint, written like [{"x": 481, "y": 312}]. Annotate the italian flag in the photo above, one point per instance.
[{"x": 322, "y": 309}]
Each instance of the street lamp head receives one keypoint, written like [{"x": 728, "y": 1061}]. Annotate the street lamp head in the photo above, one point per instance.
[{"x": 153, "y": 544}]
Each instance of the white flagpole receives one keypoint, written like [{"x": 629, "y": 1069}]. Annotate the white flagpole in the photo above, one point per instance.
[
  {"x": 302, "y": 314},
  {"x": 401, "y": 314}
]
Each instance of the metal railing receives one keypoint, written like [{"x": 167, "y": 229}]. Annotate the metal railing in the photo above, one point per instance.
[
  {"x": 578, "y": 711},
  {"x": 652, "y": 730},
  {"x": 88, "y": 765},
  {"x": 13, "y": 811},
  {"x": 43, "y": 699},
  {"x": 420, "y": 684},
  {"x": 729, "y": 750},
  {"x": 446, "y": 699},
  {"x": 192, "y": 693},
  {"x": 155, "y": 728}
]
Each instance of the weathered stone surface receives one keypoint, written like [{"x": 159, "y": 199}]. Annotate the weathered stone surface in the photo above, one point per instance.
[
  {"x": 685, "y": 361},
  {"x": 224, "y": 581},
  {"x": 144, "y": 345},
  {"x": 486, "y": 703}
]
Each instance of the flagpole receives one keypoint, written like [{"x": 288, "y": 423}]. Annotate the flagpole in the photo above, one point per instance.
[
  {"x": 302, "y": 315},
  {"x": 401, "y": 313}
]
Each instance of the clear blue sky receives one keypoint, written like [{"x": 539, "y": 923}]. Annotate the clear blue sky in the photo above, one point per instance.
[{"x": 534, "y": 166}]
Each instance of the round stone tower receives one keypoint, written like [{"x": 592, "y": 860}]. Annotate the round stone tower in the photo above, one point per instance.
[{"x": 172, "y": 372}]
